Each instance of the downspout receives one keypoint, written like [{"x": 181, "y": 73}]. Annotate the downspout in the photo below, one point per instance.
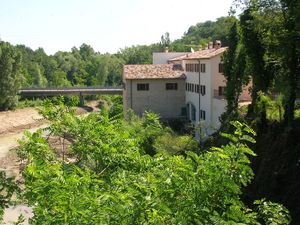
[
  {"x": 131, "y": 94},
  {"x": 199, "y": 83},
  {"x": 200, "y": 130}
]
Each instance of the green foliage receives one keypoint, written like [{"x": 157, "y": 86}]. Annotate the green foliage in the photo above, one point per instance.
[
  {"x": 270, "y": 36},
  {"x": 116, "y": 107},
  {"x": 80, "y": 67},
  {"x": 165, "y": 41},
  {"x": 172, "y": 144},
  {"x": 207, "y": 31},
  {"x": 108, "y": 177},
  {"x": 29, "y": 103},
  {"x": 113, "y": 104},
  {"x": 272, "y": 213},
  {"x": 140, "y": 54},
  {"x": 7, "y": 188},
  {"x": 234, "y": 70},
  {"x": 10, "y": 76}
]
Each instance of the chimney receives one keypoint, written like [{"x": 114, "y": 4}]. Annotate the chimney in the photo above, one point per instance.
[
  {"x": 218, "y": 44},
  {"x": 210, "y": 45}
]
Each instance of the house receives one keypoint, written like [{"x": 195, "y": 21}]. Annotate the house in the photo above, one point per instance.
[
  {"x": 159, "y": 88},
  {"x": 180, "y": 84}
]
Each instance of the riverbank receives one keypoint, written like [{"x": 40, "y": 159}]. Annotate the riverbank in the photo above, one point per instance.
[{"x": 18, "y": 120}]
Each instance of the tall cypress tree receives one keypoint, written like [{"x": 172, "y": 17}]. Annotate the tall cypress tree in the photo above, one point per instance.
[
  {"x": 234, "y": 70},
  {"x": 290, "y": 43}
]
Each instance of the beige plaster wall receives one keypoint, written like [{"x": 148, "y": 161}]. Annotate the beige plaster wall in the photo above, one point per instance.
[{"x": 167, "y": 103}]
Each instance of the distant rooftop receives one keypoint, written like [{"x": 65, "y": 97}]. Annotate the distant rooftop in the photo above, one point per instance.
[
  {"x": 158, "y": 71},
  {"x": 202, "y": 54}
]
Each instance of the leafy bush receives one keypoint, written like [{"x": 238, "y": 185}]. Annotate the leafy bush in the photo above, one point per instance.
[
  {"x": 272, "y": 213},
  {"x": 110, "y": 178},
  {"x": 8, "y": 187},
  {"x": 170, "y": 143}
]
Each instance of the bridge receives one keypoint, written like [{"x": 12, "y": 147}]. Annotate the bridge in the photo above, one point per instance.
[{"x": 81, "y": 91}]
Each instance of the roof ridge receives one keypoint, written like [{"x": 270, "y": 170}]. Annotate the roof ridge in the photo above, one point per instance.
[{"x": 201, "y": 54}]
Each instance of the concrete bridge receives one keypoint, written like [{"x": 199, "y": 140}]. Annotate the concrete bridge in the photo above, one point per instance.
[{"x": 81, "y": 91}]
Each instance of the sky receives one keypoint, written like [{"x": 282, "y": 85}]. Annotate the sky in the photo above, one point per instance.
[{"x": 105, "y": 25}]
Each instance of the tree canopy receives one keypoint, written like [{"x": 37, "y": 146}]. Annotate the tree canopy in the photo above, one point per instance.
[{"x": 269, "y": 35}]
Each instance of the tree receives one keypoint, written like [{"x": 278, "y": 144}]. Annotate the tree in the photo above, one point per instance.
[
  {"x": 10, "y": 77},
  {"x": 291, "y": 54},
  {"x": 59, "y": 79},
  {"x": 106, "y": 165},
  {"x": 86, "y": 51},
  {"x": 165, "y": 41},
  {"x": 234, "y": 70},
  {"x": 271, "y": 38},
  {"x": 39, "y": 79},
  {"x": 255, "y": 51},
  {"x": 208, "y": 31}
]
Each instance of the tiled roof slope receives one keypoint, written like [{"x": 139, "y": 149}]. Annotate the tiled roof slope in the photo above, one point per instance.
[
  {"x": 157, "y": 71},
  {"x": 203, "y": 54}
]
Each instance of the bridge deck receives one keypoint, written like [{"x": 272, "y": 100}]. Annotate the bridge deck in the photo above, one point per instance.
[{"x": 70, "y": 91}]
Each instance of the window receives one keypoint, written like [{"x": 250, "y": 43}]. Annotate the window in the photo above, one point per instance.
[
  {"x": 202, "y": 114},
  {"x": 222, "y": 90},
  {"x": 143, "y": 87},
  {"x": 197, "y": 88},
  {"x": 196, "y": 67},
  {"x": 202, "y": 68},
  {"x": 188, "y": 67},
  {"x": 192, "y": 67},
  {"x": 202, "y": 89},
  {"x": 171, "y": 86},
  {"x": 194, "y": 88},
  {"x": 221, "y": 67}
]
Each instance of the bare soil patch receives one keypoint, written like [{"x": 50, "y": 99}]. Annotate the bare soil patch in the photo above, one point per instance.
[{"x": 18, "y": 120}]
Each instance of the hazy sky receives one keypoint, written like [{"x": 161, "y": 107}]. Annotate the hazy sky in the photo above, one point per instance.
[{"x": 105, "y": 25}]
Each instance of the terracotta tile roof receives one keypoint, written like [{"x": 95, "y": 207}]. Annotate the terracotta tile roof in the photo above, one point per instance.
[
  {"x": 157, "y": 71},
  {"x": 203, "y": 54}
]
